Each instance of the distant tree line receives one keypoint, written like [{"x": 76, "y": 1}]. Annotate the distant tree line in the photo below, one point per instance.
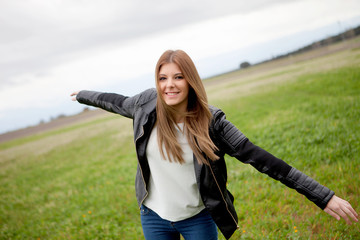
[
  {"x": 322, "y": 43},
  {"x": 325, "y": 42}
]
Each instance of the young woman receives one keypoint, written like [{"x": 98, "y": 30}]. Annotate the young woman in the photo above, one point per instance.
[{"x": 180, "y": 144}]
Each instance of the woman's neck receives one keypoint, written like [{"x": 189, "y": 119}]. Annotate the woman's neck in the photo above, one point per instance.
[{"x": 179, "y": 119}]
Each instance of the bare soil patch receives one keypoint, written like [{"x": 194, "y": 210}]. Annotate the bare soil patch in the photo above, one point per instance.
[{"x": 55, "y": 124}]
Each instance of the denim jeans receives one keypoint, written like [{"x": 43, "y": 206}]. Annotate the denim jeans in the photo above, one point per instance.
[{"x": 198, "y": 227}]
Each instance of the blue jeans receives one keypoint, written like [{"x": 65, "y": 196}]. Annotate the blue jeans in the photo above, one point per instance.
[{"x": 198, "y": 227}]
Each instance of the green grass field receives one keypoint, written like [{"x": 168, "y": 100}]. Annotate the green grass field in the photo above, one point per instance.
[{"x": 78, "y": 182}]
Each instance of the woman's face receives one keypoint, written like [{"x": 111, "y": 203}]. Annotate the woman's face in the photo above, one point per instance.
[{"x": 174, "y": 89}]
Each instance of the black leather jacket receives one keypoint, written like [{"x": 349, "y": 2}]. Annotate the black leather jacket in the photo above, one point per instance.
[{"x": 211, "y": 179}]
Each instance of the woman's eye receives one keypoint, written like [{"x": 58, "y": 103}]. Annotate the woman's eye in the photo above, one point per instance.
[
  {"x": 179, "y": 77},
  {"x": 162, "y": 78}
]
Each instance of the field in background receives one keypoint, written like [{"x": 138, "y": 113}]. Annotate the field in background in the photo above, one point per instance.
[{"x": 77, "y": 181}]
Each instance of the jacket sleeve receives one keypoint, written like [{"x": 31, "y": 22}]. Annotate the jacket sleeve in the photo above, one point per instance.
[
  {"x": 237, "y": 145},
  {"x": 112, "y": 102}
]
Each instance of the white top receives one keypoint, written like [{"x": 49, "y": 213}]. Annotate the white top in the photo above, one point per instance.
[{"x": 173, "y": 191}]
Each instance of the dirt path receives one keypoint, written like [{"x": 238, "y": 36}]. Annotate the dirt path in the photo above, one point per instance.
[
  {"x": 55, "y": 124},
  {"x": 269, "y": 74},
  {"x": 283, "y": 62}
]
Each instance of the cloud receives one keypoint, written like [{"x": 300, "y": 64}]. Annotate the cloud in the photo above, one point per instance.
[{"x": 38, "y": 30}]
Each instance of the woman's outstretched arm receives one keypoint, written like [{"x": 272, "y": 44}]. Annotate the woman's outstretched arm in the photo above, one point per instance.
[
  {"x": 237, "y": 145},
  {"x": 113, "y": 102}
]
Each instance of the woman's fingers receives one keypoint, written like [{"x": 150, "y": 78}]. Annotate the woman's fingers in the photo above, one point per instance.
[
  {"x": 338, "y": 207},
  {"x": 349, "y": 211},
  {"x": 74, "y": 94},
  {"x": 329, "y": 211}
]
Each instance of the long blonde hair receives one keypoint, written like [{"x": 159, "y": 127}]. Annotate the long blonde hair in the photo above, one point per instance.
[{"x": 196, "y": 119}]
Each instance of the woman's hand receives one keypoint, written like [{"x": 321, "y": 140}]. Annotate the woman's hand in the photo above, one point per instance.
[
  {"x": 74, "y": 94},
  {"x": 339, "y": 208}
]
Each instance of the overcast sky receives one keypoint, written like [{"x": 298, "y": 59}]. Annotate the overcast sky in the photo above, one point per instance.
[{"x": 50, "y": 48}]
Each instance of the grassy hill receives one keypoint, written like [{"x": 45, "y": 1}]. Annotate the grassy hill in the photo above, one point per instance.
[{"x": 77, "y": 182}]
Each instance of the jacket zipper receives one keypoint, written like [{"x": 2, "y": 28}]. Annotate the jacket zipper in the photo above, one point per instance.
[
  {"x": 142, "y": 175},
  {"x": 217, "y": 184}
]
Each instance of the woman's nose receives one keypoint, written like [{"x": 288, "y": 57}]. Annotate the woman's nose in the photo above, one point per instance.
[{"x": 170, "y": 82}]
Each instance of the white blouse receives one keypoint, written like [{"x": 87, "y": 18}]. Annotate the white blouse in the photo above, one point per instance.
[{"x": 173, "y": 191}]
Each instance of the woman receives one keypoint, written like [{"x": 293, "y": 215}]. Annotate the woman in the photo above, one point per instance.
[{"x": 181, "y": 186}]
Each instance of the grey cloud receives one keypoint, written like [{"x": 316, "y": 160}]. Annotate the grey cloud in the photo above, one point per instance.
[{"x": 35, "y": 37}]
